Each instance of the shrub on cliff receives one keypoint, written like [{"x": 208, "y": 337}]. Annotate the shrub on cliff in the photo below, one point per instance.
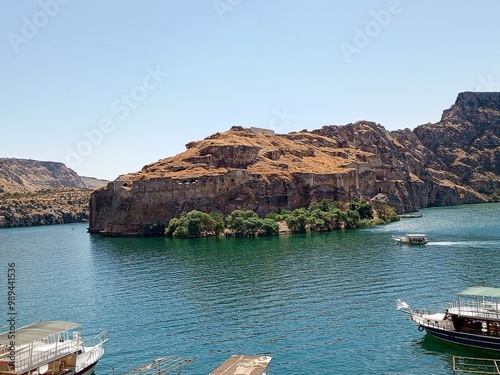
[
  {"x": 195, "y": 224},
  {"x": 248, "y": 224},
  {"x": 363, "y": 207},
  {"x": 386, "y": 214},
  {"x": 326, "y": 216},
  {"x": 320, "y": 216}
]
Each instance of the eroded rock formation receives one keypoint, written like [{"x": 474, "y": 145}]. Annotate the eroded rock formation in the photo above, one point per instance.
[{"x": 454, "y": 161}]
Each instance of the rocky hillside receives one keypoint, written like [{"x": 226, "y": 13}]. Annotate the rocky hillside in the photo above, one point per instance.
[
  {"x": 36, "y": 192},
  {"x": 454, "y": 161},
  {"x": 28, "y": 176},
  {"x": 51, "y": 206}
]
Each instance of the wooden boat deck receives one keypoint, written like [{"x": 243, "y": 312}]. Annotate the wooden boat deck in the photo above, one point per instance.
[
  {"x": 244, "y": 365},
  {"x": 162, "y": 365}
]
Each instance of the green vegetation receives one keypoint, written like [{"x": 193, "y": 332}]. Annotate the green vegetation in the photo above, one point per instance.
[
  {"x": 195, "y": 224},
  {"x": 386, "y": 214},
  {"x": 248, "y": 224},
  {"x": 322, "y": 216}
]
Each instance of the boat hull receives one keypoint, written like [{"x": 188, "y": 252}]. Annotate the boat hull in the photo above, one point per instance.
[
  {"x": 467, "y": 339},
  {"x": 87, "y": 370}
]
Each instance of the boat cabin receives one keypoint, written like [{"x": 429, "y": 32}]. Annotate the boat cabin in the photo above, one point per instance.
[{"x": 477, "y": 311}]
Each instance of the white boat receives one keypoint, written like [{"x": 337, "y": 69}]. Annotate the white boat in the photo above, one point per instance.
[
  {"x": 472, "y": 320},
  {"x": 412, "y": 239},
  {"x": 51, "y": 347}
]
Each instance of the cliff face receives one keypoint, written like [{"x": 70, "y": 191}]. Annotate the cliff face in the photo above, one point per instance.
[
  {"x": 451, "y": 162},
  {"x": 54, "y": 206},
  {"x": 36, "y": 192},
  {"x": 467, "y": 140}
]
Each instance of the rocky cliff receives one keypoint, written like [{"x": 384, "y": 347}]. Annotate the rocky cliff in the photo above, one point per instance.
[
  {"x": 454, "y": 161},
  {"x": 36, "y": 192}
]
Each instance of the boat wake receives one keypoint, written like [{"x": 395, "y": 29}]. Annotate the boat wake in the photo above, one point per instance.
[{"x": 478, "y": 244}]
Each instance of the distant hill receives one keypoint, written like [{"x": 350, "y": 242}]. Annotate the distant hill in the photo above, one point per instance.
[
  {"x": 27, "y": 176},
  {"x": 34, "y": 192}
]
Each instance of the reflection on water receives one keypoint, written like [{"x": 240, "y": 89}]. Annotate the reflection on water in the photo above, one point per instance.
[{"x": 447, "y": 350}]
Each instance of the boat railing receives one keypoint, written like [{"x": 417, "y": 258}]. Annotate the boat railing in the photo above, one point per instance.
[
  {"x": 31, "y": 362},
  {"x": 476, "y": 309},
  {"x": 420, "y": 317},
  {"x": 97, "y": 340}
]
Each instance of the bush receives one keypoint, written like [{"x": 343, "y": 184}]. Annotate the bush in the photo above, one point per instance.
[
  {"x": 352, "y": 219},
  {"x": 248, "y": 224},
  {"x": 387, "y": 214},
  {"x": 363, "y": 207},
  {"x": 195, "y": 224},
  {"x": 320, "y": 216},
  {"x": 297, "y": 220}
]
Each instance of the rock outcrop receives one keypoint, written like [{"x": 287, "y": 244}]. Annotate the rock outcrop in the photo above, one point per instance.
[{"x": 455, "y": 161}]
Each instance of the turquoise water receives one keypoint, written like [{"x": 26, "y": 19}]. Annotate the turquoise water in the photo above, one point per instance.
[{"x": 319, "y": 304}]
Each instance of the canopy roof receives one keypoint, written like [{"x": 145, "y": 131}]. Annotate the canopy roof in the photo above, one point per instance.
[
  {"x": 36, "y": 331},
  {"x": 481, "y": 291}
]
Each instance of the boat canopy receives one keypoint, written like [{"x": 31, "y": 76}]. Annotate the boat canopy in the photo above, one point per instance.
[
  {"x": 36, "y": 331},
  {"x": 481, "y": 291}
]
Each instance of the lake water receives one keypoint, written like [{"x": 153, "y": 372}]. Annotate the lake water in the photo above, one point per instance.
[{"x": 318, "y": 304}]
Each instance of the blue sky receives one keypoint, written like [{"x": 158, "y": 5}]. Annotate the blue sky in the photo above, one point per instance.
[{"x": 109, "y": 86}]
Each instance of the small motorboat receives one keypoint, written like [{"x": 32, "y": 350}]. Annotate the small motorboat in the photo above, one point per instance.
[{"x": 411, "y": 239}]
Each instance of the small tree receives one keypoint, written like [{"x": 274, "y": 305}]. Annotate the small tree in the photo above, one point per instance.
[
  {"x": 352, "y": 219},
  {"x": 195, "y": 224},
  {"x": 387, "y": 214},
  {"x": 363, "y": 207}
]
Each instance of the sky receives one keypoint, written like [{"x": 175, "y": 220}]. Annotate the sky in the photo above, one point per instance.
[{"x": 107, "y": 87}]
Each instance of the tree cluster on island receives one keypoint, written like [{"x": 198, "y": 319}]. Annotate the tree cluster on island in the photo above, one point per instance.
[{"x": 320, "y": 216}]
